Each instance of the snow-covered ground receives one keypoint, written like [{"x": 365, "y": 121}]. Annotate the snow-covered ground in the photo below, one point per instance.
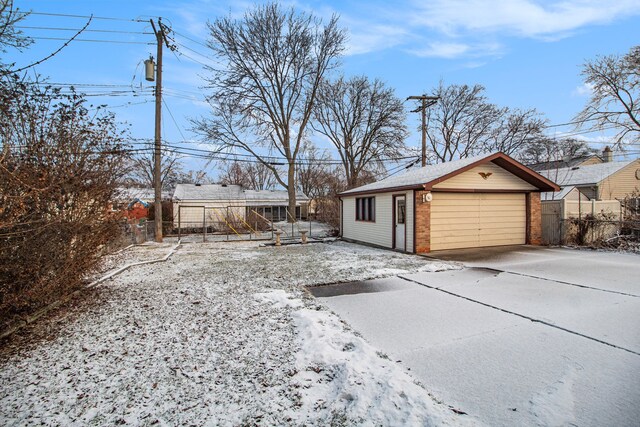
[
  {"x": 543, "y": 337},
  {"x": 221, "y": 334}
]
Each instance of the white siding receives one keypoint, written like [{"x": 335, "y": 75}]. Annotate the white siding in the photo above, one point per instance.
[
  {"x": 191, "y": 211},
  {"x": 499, "y": 179},
  {"x": 379, "y": 232}
]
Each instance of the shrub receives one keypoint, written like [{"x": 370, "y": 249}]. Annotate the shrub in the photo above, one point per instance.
[{"x": 59, "y": 167}]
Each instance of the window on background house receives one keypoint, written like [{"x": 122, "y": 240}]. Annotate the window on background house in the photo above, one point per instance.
[{"x": 366, "y": 209}]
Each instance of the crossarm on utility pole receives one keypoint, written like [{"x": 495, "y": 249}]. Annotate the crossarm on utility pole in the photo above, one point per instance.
[{"x": 427, "y": 101}]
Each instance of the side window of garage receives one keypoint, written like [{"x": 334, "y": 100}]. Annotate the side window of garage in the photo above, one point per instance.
[{"x": 366, "y": 209}]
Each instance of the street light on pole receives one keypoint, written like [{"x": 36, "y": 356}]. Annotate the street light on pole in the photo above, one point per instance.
[{"x": 427, "y": 101}]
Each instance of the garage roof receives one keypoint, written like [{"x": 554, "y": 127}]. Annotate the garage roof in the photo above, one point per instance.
[{"x": 430, "y": 175}]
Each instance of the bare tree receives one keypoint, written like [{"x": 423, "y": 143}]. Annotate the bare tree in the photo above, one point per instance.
[
  {"x": 233, "y": 173},
  {"x": 141, "y": 168},
  {"x": 9, "y": 35},
  {"x": 250, "y": 175},
  {"x": 514, "y": 130},
  {"x": 315, "y": 173},
  {"x": 461, "y": 122},
  {"x": 614, "y": 81},
  {"x": 265, "y": 89},
  {"x": 551, "y": 150},
  {"x": 365, "y": 121}
]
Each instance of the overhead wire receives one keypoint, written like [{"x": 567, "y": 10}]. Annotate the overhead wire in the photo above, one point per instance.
[
  {"x": 173, "y": 118},
  {"x": 105, "y": 18},
  {"x": 29, "y": 27},
  {"x": 93, "y": 40}
]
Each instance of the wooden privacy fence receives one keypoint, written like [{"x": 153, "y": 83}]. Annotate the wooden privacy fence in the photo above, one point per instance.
[{"x": 562, "y": 220}]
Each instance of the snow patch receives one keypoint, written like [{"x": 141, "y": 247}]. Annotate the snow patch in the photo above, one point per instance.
[
  {"x": 341, "y": 377},
  {"x": 554, "y": 406},
  {"x": 279, "y": 298}
]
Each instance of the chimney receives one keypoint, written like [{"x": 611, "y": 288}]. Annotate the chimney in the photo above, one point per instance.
[{"x": 607, "y": 154}]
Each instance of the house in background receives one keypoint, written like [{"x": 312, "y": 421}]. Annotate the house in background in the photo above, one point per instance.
[
  {"x": 195, "y": 205},
  {"x": 591, "y": 159},
  {"x": 487, "y": 200},
  {"x": 135, "y": 202},
  {"x": 601, "y": 181}
]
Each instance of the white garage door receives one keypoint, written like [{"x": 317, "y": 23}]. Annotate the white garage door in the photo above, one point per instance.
[{"x": 470, "y": 220}]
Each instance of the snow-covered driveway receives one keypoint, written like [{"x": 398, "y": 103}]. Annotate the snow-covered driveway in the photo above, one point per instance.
[
  {"x": 518, "y": 339},
  {"x": 220, "y": 334}
]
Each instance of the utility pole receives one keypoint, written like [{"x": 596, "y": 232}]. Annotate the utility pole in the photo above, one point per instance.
[
  {"x": 157, "y": 155},
  {"x": 427, "y": 101}
]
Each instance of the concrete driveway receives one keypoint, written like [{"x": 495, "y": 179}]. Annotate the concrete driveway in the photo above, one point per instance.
[{"x": 522, "y": 336}]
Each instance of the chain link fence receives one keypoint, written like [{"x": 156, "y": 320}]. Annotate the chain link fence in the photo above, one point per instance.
[{"x": 231, "y": 223}]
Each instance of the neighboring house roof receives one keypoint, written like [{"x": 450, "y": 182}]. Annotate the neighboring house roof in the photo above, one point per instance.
[
  {"x": 208, "y": 192},
  {"x": 585, "y": 175},
  {"x": 428, "y": 176},
  {"x": 562, "y": 163},
  {"x": 146, "y": 195},
  {"x": 556, "y": 195},
  {"x": 232, "y": 192}
]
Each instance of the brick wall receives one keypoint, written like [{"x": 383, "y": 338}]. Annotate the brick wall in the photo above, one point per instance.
[
  {"x": 423, "y": 224},
  {"x": 534, "y": 217}
]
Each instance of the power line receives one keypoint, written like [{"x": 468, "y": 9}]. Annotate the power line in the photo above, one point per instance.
[
  {"x": 193, "y": 59},
  {"x": 569, "y": 123},
  {"x": 28, "y": 27},
  {"x": 190, "y": 39},
  {"x": 104, "y": 18},
  {"x": 92, "y": 40},
  {"x": 173, "y": 118}
]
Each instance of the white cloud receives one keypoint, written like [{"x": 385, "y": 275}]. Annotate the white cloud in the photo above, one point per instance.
[
  {"x": 585, "y": 89},
  {"x": 367, "y": 37},
  {"x": 452, "y": 50},
  {"x": 526, "y": 18},
  {"x": 453, "y": 29},
  {"x": 441, "y": 50}
]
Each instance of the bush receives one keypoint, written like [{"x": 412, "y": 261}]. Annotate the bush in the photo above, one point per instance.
[{"x": 59, "y": 167}]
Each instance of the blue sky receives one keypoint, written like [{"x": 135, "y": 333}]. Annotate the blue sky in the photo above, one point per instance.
[{"x": 526, "y": 53}]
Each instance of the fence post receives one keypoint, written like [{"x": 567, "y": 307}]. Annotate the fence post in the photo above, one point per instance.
[
  {"x": 593, "y": 217},
  {"x": 293, "y": 221},
  {"x": 204, "y": 224},
  {"x": 226, "y": 219},
  {"x": 179, "y": 223},
  {"x": 563, "y": 214}
]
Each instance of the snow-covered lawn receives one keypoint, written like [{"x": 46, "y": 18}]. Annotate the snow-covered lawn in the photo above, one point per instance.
[{"x": 221, "y": 334}]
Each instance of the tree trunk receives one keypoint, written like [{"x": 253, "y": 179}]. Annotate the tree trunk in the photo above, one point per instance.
[{"x": 291, "y": 189}]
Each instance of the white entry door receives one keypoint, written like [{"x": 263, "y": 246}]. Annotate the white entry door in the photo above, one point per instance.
[{"x": 400, "y": 221}]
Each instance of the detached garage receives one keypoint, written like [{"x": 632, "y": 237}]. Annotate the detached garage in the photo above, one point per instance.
[{"x": 489, "y": 200}]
